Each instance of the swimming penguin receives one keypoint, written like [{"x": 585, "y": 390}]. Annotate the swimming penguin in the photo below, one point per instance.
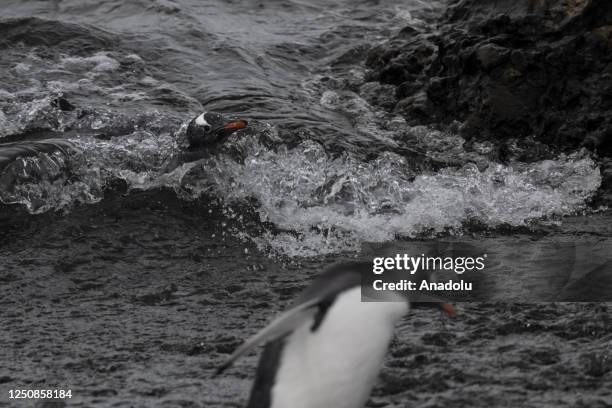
[
  {"x": 327, "y": 349},
  {"x": 210, "y": 128},
  {"x": 204, "y": 132}
]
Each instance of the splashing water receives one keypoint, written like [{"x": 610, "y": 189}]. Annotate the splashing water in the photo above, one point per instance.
[
  {"x": 317, "y": 203},
  {"x": 333, "y": 204},
  {"x": 81, "y": 173}
]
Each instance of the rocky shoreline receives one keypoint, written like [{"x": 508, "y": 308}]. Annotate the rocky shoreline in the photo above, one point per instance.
[{"x": 534, "y": 77}]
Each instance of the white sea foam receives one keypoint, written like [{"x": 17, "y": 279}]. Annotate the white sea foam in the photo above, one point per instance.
[
  {"x": 334, "y": 204},
  {"x": 98, "y": 62},
  {"x": 80, "y": 173}
]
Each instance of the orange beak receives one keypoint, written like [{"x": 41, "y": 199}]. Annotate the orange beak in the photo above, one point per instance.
[
  {"x": 235, "y": 124},
  {"x": 448, "y": 309}
]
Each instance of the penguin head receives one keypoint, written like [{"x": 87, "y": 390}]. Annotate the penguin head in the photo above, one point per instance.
[{"x": 210, "y": 128}]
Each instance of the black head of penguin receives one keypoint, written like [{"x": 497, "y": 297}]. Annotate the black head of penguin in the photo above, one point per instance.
[{"x": 210, "y": 128}]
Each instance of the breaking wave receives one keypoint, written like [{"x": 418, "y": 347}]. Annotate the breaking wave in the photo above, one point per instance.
[
  {"x": 334, "y": 204},
  {"x": 316, "y": 201}
]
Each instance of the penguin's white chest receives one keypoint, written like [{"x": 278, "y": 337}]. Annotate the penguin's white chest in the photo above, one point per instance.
[{"x": 336, "y": 365}]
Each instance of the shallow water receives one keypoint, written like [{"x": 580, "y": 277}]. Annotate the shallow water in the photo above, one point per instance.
[{"x": 120, "y": 264}]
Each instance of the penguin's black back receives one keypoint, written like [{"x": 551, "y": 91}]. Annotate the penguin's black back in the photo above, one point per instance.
[{"x": 265, "y": 377}]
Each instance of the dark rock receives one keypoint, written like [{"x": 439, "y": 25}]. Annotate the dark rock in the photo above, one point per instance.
[
  {"x": 509, "y": 71},
  {"x": 491, "y": 55},
  {"x": 416, "y": 108}
]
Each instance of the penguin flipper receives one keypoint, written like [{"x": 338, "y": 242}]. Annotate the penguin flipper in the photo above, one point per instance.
[{"x": 279, "y": 327}]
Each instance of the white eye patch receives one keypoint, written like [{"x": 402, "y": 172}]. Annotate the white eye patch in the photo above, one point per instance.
[{"x": 200, "y": 121}]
